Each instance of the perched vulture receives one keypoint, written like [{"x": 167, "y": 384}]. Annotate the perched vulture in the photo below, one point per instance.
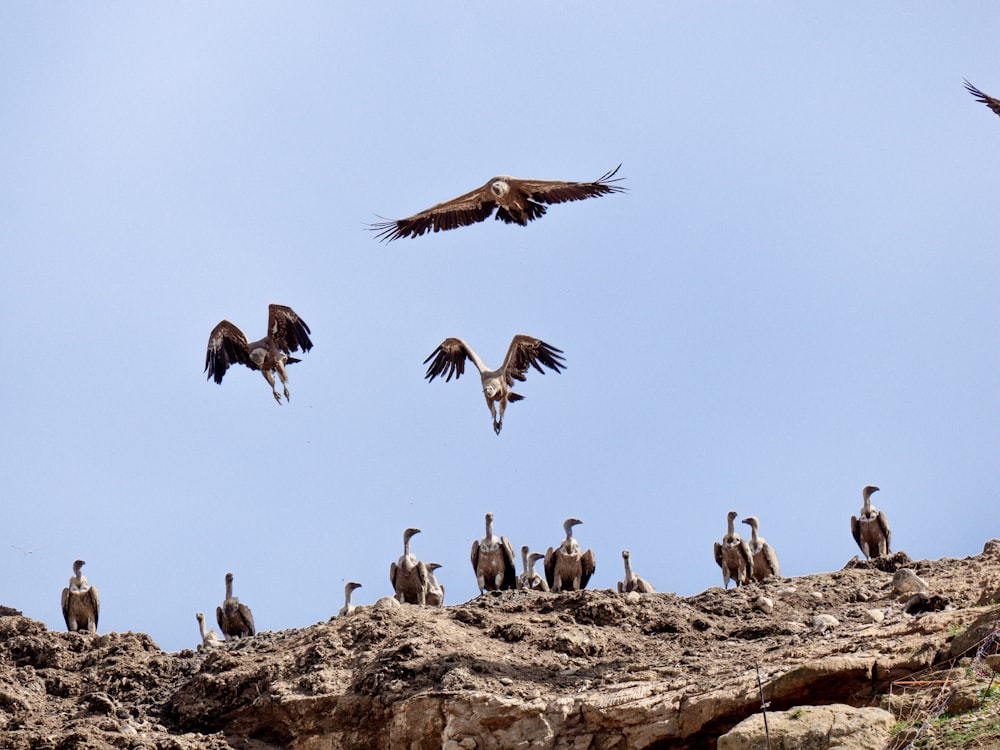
[
  {"x": 566, "y": 567},
  {"x": 524, "y": 351},
  {"x": 986, "y": 99},
  {"x": 633, "y": 581},
  {"x": 234, "y": 617},
  {"x": 516, "y": 201},
  {"x": 408, "y": 575},
  {"x": 871, "y": 530},
  {"x": 81, "y": 604},
  {"x": 286, "y": 333},
  {"x": 765, "y": 560},
  {"x": 493, "y": 561},
  {"x": 733, "y": 555}
]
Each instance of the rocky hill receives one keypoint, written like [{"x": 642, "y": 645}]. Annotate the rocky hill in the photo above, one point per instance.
[{"x": 592, "y": 669}]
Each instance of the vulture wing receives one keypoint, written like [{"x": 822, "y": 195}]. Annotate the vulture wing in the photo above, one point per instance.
[
  {"x": 509, "y": 571},
  {"x": 587, "y": 568},
  {"x": 471, "y": 208},
  {"x": 989, "y": 101},
  {"x": 226, "y": 346},
  {"x": 560, "y": 191},
  {"x": 449, "y": 359},
  {"x": 287, "y": 330},
  {"x": 527, "y": 351}
]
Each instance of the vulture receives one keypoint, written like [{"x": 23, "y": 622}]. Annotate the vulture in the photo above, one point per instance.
[
  {"x": 565, "y": 566},
  {"x": 733, "y": 555},
  {"x": 516, "y": 201},
  {"x": 408, "y": 575},
  {"x": 348, "y": 590},
  {"x": 633, "y": 581},
  {"x": 435, "y": 591},
  {"x": 209, "y": 638},
  {"x": 286, "y": 333},
  {"x": 235, "y": 618},
  {"x": 529, "y": 580},
  {"x": 871, "y": 530},
  {"x": 493, "y": 561},
  {"x": 523, "y": 352},
  {"x": 986, "y": 99},
  {"x": 81, "y": 604},
  {"x": 765, "y": 561}
]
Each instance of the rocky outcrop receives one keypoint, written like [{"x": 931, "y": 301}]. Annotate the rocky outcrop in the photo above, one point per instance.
[
  {"x": 591, "y": 669},
  {"x": 832, "y": 727}
]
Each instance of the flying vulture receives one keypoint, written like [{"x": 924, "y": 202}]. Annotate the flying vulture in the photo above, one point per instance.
[
  {"x": 286, "y": 332},
  {"x": 516, "y": 201},
  {"x": 524, "y": 351},
  {"x": 989, "y": 101}
]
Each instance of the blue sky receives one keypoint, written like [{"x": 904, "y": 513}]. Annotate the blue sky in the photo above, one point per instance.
[{"x": 796, "y": 297}]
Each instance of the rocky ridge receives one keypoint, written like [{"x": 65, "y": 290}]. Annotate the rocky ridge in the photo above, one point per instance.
[{"x": 591, "y": 669}]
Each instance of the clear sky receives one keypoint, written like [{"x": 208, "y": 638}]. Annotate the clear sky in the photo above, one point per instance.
[{"x": 798, "y": 295}]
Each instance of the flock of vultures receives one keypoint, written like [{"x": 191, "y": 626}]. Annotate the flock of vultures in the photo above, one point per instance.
[{"x": 566, "y": 567}]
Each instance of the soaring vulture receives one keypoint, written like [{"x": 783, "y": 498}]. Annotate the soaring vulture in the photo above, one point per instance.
[
  {"x": 408, "y": 575},
  {"x": 765, "y": 561},
  {"x": 493, "y": 561},
  {"x": 286, "y": 332},
  {"x": 523, "y": 352},
  {"x": 871, "y": 530},
  {"x": 81, "y": 604},
  {"x": 566, "y": 567},
  {"x": 234, "y": 617},
  {"x": 733, "y": 555},
  {"x": 633, "y": 581},
  {"x": 516, "y": 201},
  {"x": 986, "y": 99}
]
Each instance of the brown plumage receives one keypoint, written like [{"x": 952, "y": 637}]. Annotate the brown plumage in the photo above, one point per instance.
[
  {"x": 523, "y": 352},
  {"x": 493, "y": 561},
  {"x": 733, "y": 555},
  {"x": 566, "y": 567},
  {"x": 516, "y": 201},
  {"x": 234, "y": 617},
  {"x": 633, "y": 581},
  {"x": 408, "y": 575},
  {"x": 986, "y": 99},
  {"x": 871, "y": 529},
  {"x": 765, "y": 560},
  {"x": 81, "y": 604},
  {"x": 529, "y": 580},
  {"x": 435, "y": 590},
  {"x": 286, "y": 333}
]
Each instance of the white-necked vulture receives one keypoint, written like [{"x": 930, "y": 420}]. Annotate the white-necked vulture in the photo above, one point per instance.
[
  {"x": 286, "y": 333},
  {"x": 871, "y": 530},
  {"x": 523, "y": 352},
  {"x": 81, "y": 604},
  {"x": 516, "y": 201}
]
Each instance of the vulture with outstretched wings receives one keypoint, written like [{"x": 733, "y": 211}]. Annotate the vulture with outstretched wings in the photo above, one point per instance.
[
  {"x": 286, "y": 333},
  {"x": 986, "y": 99},
  {"x": 524, "y": 352},
  {"x": 516, "y": 201}
]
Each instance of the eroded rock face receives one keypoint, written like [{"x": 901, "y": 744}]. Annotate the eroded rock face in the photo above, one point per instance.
[
  {"x": 832, "y": 727},
  {"x": 590, "y": 669}
]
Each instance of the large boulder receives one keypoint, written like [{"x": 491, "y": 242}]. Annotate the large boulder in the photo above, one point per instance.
[{"x": 832, "y": 727}]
